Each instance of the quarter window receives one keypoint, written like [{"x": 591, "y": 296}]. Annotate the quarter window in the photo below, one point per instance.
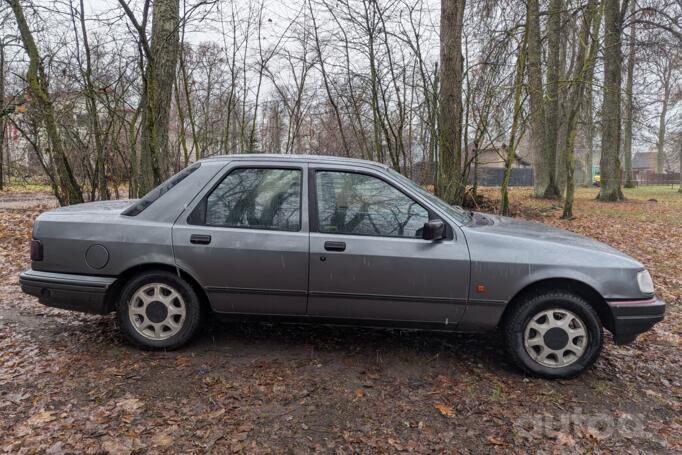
[
  {"x": 257, "y": 198},
  {"x": 351, "y": 203}
]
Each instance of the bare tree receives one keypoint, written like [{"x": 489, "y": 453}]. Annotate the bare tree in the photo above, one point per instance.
[
  {"x": 610, "y": 187},
  {"x": 450, "y": 184},
  {"x": 588, "y": 42},
  {"x": 161, "y": 53},
  {"x": 68, "y": 190},
  {"x": 628, "y": 109},
  {"x": 513, "y": 141}
]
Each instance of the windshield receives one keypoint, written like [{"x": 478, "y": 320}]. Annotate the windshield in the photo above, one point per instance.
[
  {"x": 159, "y": 191},
  {"x": 454, "y": 211}
]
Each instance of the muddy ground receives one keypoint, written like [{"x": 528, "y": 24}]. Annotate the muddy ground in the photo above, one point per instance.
[{"x": 69, "y": 384}]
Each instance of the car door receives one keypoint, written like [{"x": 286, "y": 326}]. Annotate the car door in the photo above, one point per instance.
[
  {"x": 368, "y": 259},
  {"x": 246, "y": 239}
]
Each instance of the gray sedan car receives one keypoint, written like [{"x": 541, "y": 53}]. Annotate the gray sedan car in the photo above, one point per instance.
[{"x": 333, "y": 240}]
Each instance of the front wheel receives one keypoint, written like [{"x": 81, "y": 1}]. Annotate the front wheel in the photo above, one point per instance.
[
  {"x": 554, "y": 335},
  {"x": 158, "y": 310}
]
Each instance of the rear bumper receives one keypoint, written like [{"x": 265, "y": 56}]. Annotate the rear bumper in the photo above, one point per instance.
[
  {"x": 83, "y": 293},
  {"x": 630, "y": 318}
]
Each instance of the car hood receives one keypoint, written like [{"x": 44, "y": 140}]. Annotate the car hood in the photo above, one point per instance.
[
  {"x": 513, "y": 227},
  {"x": 94, "y": 208}
]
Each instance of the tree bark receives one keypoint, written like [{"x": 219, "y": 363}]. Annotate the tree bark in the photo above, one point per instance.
[
  {"x": 68, "y": 190},
  {"x": 2, "y": 118},
  {"x": 552, "y": 191},
  {"x": 449, "y": 183},
  {"x": 100, "y": 180},
  {"x": 680, "y": 146},
  {"x": 542, "y": 169},
  {"x": 511, "y": 151},
  {"x": 584, "y": 62},
  {"x": 158, "y": 94},
  {"x": 660, "y": 144},
  {"x": 588, "y": 118},
  {"x": 610, "y": 189},
  {"x": 629, "y": 108}
]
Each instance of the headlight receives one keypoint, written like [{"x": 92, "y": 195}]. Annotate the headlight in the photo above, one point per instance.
[{"x": 646, "y": 284}]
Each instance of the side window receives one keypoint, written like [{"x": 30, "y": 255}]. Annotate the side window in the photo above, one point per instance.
[
  {"x": 257, "y": 198},
  {"x": 350, "y": 203}
]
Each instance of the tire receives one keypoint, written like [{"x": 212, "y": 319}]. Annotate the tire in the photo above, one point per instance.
[
  {"x": 157, "y": 310},
  {"x": 534, "y": 338}
]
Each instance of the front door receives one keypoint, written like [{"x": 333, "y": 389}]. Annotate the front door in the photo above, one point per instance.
[
  {"x": 367, "y": 256},
  {"x": 246, "y": 241}
]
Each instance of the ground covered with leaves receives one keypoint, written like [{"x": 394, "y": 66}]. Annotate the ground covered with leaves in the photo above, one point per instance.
[{"x": 68, "y": 383}]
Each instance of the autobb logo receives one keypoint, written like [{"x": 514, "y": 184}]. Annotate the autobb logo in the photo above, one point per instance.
[{"x": 579, "y": 424}]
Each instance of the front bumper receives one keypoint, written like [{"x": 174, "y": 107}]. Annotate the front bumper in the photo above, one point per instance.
[
  {"x": 630, "y": 318},
  {"x": 67, "y": 291}
]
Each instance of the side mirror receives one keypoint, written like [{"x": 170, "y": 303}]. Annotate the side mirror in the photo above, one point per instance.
[{"x": 433, "y": 230}]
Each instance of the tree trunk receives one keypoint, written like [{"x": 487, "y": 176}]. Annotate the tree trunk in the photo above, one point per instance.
[
  {"x": 100, "y": 180},
  {"x": 158, "y": 94},
  {"x": 660, "y": 144},
  {"x": 188, "y": 100},
  {"x": 588, "y": 114},
  {"x": 2, "y": 118},
  {"x": 680, "y": 146},
  {"x": 552, "y": 191},
  {"x": 542, "y": 169},
  {"x": 584, "y": 61},
  {"x": 69, "y": 191},
  {"x": 628, "y": 109},
  {"x": 610, "y": 189},
  {"x": 449, "y": 183},
  {"x": 511, "y": 151},
  {"x": 325, "y": 80}
]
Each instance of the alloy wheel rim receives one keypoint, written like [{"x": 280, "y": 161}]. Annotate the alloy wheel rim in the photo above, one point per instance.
[
  {"x": 157, "y": 311},
  {"x": 555, "y": 338}
]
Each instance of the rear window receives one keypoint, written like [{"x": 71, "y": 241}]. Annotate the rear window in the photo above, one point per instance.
[{"x": 149, "y": 198}]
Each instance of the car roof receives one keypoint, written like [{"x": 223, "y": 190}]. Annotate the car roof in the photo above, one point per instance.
[{"x": 293, "y": 157}]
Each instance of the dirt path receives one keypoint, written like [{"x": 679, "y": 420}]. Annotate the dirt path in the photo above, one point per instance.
[{"x": 68, "y": 384}]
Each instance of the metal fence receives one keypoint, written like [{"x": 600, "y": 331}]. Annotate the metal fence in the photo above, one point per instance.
[{"x": 652, "y": 178}]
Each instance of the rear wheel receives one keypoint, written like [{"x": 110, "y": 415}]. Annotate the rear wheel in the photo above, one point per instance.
[
  {"x": 554, "y": 335},
  {"x": 158, "y": 310}
]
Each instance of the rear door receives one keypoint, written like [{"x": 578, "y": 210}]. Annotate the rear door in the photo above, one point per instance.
[
  {"x": 368, "y": 259},
  {"x": 246, "y": 239}
]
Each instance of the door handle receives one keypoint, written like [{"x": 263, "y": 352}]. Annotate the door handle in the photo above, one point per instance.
[
  {"x": 200, "y": 239},
  {"x": 335, "y": 246}
]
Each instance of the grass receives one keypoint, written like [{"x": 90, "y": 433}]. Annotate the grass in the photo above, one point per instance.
[
  {"x": 660, "y": 203},
  {"x": 14, "y": 185}
]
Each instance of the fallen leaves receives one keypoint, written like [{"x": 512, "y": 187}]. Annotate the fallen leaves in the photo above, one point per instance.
[
  {"x": 130, "y": 405},
  {"x": 164, "y": 439},
  {"x": 496, "y": 441},
  {"x": 183, "y": 362},
  {"x": 447, "y": 411},
  {"x": 350, "y": 390},
  {"x": 121, "y": 445},
  {"x": 41, "y": 418}
]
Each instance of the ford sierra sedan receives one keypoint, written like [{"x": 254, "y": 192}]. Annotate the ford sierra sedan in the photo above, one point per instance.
[{"x": 332, "y": 240}]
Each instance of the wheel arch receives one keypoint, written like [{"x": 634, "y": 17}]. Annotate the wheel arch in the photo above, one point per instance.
[
  {"x": 115, "y": 289},
  {"x": 584, "y": 290}
]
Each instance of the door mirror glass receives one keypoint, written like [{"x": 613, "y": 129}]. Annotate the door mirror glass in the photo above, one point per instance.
[{"x": 433, "y": 230}]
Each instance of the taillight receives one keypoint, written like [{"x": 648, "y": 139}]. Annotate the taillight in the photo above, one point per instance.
[{"x": 36, "y": 250}]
